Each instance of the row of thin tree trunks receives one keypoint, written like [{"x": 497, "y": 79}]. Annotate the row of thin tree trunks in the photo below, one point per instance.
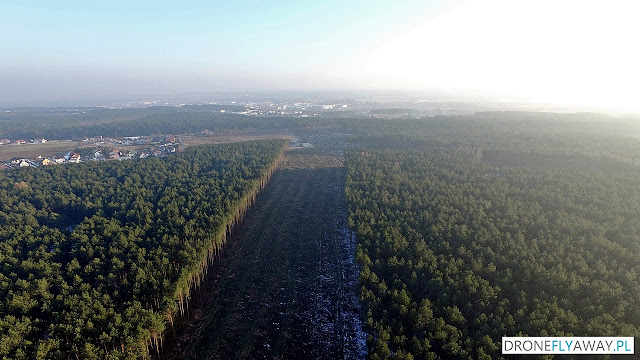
[{"x": 210, "y": 265}]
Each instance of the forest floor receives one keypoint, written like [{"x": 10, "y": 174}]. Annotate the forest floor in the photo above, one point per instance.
[{"x": 287, "y": 285}]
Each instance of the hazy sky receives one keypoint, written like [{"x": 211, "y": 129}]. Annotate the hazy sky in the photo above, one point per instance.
[{"x": 563, "y": 51}]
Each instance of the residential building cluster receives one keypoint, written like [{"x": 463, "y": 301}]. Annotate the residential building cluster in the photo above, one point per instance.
[
  {"x": 22, "y": 141},
  {"x": 104, "y": 149}
]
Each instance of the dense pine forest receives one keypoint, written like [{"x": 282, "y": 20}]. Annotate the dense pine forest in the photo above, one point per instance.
[
  {"x": 469, "y": 228},
  {"x": 473, "y": 232},
  {"x": 456, "y": 254},
  {"x": 78, "y": 123},
  {"x": 98, "y": 260}
]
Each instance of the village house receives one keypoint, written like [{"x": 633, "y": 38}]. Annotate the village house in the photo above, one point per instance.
[
  {"x": 27, "y": 163},
  {"x": 75, "y": 158}
]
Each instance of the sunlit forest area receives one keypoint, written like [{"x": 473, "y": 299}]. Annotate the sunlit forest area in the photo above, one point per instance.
[
  {"x": 98, "y": 260},
  {"x": 468, "y": 228}
]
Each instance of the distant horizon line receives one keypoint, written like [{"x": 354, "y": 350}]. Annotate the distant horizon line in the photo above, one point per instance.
[{"x": 411, "y": 95}]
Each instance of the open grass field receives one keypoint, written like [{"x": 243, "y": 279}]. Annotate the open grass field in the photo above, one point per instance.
[
  {"x": 286, "y": 287},
  {"x": 34, "y": 150},
  {"x": 313, "y": 159},
  {"x": 233, "y": 136}
]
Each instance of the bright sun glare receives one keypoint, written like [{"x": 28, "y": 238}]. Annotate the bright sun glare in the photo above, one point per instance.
[{"x": 560, "y": 51}]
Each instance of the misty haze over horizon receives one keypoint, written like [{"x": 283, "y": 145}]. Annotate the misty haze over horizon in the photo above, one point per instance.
[{"x": 495, "y": 50}]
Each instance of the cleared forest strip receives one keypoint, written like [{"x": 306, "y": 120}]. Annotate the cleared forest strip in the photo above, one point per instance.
[
  {"x": 284, "y": 290},
  {"x": 191, "y": 280}
]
